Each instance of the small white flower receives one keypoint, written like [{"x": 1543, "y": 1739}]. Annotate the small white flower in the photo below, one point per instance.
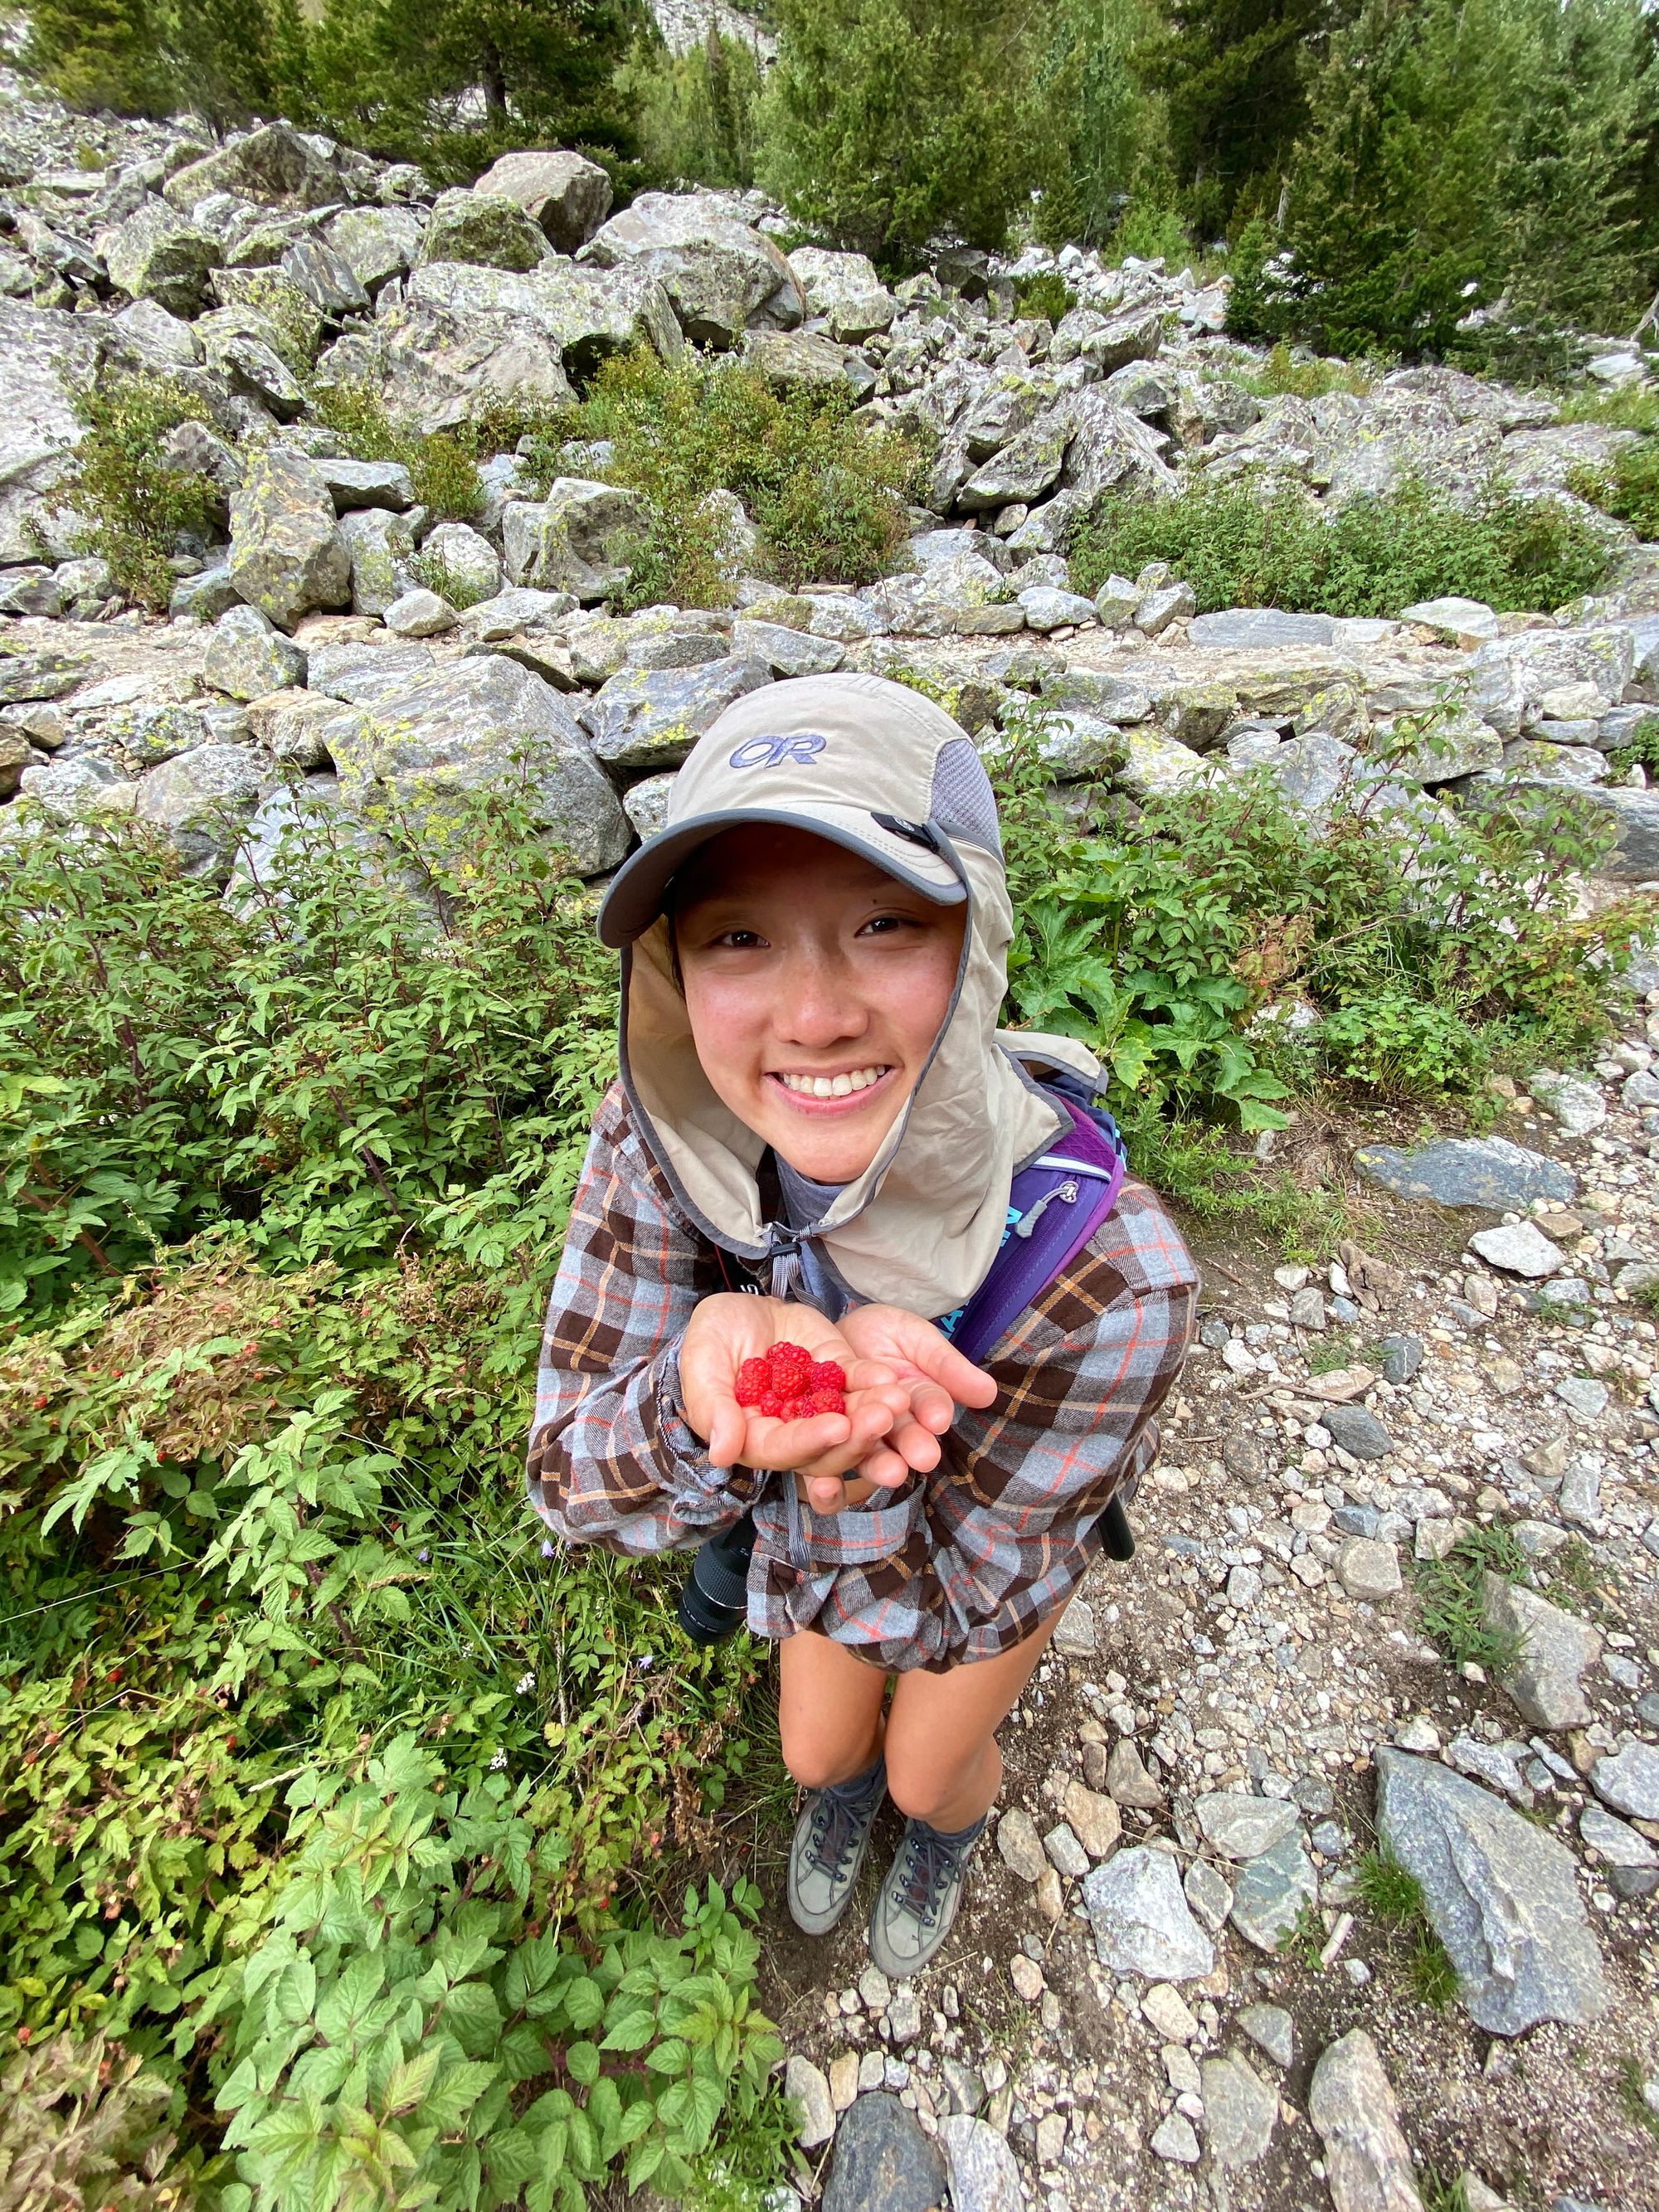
[
  {"x": 497, "y": 1761},
  {"x": 524, "y": 1685}
]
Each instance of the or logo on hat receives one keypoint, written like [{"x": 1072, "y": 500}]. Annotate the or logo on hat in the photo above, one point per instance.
[{"x": 802, "y": 745}]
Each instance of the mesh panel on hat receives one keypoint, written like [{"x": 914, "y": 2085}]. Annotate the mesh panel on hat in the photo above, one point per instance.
[{"x": 963, "y": 804}]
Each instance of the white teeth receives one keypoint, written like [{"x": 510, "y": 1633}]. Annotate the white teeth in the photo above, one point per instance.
[{"x": 832, "y": 1086}]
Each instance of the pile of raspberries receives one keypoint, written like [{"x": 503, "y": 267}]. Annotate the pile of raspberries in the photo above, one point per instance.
[{"x": 790, "y": 1385}]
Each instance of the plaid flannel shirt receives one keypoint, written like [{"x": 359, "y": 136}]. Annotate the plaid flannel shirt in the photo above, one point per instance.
[{"x": 956, "y": 1564}]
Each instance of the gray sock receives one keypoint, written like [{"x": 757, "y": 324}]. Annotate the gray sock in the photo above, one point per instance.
[
  {"x": 858, "y": 1791},
  {"x": 959, "y": 1842}
]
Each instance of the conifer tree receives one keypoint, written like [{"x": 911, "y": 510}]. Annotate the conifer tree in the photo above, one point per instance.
[
  {"x": 1232, "y": 75},
  {"x": 100, "y": 53},
  {"x": 888, "y": 120}
]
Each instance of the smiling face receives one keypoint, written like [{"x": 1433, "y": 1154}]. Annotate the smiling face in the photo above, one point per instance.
[{"x": 816, "y": 987}]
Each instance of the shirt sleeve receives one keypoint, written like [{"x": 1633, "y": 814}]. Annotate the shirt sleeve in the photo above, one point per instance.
[{"x": 612, "y": 1461}]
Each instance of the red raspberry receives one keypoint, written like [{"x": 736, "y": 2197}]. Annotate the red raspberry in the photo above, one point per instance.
[
  {"x": 752, "y": 1378},
  {"x": 771, "y": 1405},
  {"x": 823, "y": 1402},
  {"x": 791, "y": 1409},
  {"x": 827, "y": 1374},
  {"x": 790, "y": 1367}
]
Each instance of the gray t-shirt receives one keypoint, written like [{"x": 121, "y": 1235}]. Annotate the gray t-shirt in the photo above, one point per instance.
[{"x": 805, "y": 1205}]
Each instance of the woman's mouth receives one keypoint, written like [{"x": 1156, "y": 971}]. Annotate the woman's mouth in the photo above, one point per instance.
[{"x": 845, "y": 1088}]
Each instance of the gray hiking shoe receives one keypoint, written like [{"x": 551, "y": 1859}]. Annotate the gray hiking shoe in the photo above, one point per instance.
[
  {"x": 918, "y": 1898},
  {"x": 828, "y": 1848}
]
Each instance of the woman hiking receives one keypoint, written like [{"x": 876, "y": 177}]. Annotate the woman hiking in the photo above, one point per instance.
[{"x": 814, "y": 1141}]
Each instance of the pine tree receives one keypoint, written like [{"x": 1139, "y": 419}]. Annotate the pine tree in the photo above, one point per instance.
[
  {"x": 220, "y": 54},
  {"x": 1107, "y": 141},
  {"x": 889, "y": 120},
  {"x": 100, "y": 53},
  {"x": 1232, "y": 74}
]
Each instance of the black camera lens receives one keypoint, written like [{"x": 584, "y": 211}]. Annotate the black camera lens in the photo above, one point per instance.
[{"x": 715, "y": 1602}]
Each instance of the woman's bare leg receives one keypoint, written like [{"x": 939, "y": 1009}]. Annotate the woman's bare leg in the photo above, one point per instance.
[
  {"x": 830, "y": 1709},
  {"x": 943, "y": 1763}
]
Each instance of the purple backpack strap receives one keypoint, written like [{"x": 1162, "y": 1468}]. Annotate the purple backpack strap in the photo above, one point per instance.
[{"x": 1061, "y": 1199}]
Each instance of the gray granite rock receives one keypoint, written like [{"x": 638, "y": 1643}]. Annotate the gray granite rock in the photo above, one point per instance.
[
  {"x": 1628, "y": 1779},
  {"x": 1501, "y": 1894},
  {"x": 287, "y": 553},
  {"x": 1578, "y": 1104},
  {"x": 845, "y": 289},
  {"x": 487, "y": 229},
  {"x": 366, "y": 484},
  {"x": 1141, "y": 1918},
  {"x": 1248, "y": 629},
  {"x": 1210, "y": 1897},
  {"x": 1368, "y": 1569},
  {"x": 1019, "y": 1843},
  {"x": 1241, "y": 1827},
  {"x": 1520, "y": 1247},
  {"x": 1240, "y": 2111},
  {"x": 419, "y": 613},
  {"x": 473, "y": 725},
  {"x": 722, "y": 276},
  {"x": 156, "y": 255},
  {"x": 1128, "y": 1780},
  {"x": 248, "y": 656},
  {"x": 380, "y": 547},
  {"x": 1368, "y": 2161},
  {"x": 883, "y": 2162},
  {"x": 651, "y": 718},
  {"x": 152, "y": 732},
  {"x": 361, "y": 674},
  {"x": 47, "y": 357},
  {"x": 1270, "y": 2028},
  {"x": 787, "y": 652},
  {"x": 200, "y": 801},
  {"x": 206, "y": 596},
  {"x": 984, "y": 2173},
  {"x": 580, "y": 538},
  {"x": 275, "y": 166},
  {"x": 1357, "y": 1431},
  {"x": 1174, "y": 2140},
  {"x": 1269, "y": 1892},
  {"x": 564, "y": 194},
  {"x": 1484, "y": 1172},
  {"x": 377, "y": 243},
  {"x": 1556, "y": 1647},
  {"x": 804, "y": 2084}
]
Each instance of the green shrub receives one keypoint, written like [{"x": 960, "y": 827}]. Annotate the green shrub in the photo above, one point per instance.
[
  {"x": 1452, "y": 1590},
  {"x": 135, "y": 508},
  {"x": 344, "y": 1810},
  {"x": 699, "y": 111},
  {"x": 1428, "y": 945},
  {"x": 1048, "y": 295},
  {"x": 827, "y": 494},
  {"x": 1628, "y": 488},
  {"x": 1303, "y": 377},
  {"x": 443, "y": 464},
  {"x": 1239, "y": 543}
]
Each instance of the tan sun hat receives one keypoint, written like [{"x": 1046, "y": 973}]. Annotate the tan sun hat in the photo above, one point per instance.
[{"x": 861, "y": 761}]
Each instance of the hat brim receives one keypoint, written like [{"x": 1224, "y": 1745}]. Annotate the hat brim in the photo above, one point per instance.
[{"x": 634, "y": 898}]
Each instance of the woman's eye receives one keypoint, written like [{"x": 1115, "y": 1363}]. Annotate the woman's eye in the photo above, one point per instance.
[
  {"x": 883, "y": 925},
  {"x": 738, "y": 940}
]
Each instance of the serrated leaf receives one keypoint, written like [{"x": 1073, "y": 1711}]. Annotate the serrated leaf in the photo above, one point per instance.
[
  {"x": 584, "y": 2002},
  {"x": 631, "y": 2030},
  {"x": 582, "y": 2063}
]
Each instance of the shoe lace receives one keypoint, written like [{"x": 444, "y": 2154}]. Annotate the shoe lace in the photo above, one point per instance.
[
  {"x": 925, "y": 1872},
  {"x": 834, "y": 1835}
]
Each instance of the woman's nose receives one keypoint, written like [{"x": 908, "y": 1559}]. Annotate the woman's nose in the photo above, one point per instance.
[{"x": 818, "y": 1005}]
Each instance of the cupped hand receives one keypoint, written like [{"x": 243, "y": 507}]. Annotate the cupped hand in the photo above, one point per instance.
[
  {"x": 729, "y": 1328},
  {"x": 933, "y": 1374}
]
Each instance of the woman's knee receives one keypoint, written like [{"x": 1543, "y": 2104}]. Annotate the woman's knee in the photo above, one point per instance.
[
  {"x": 818, "y": 1762},
  {"x": 924, "y": 1789}
]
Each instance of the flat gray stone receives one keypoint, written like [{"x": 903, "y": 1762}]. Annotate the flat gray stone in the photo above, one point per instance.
[
  {"x": 1128, "y": 1780},
  {"x": 1020, "y": 1844},
  {"x": 1577, "y": 1103},
  {"x": 1174, "y": 2140},
  {"x": 1210, "y": 1897},
  {"x": 1270, "y": 1892},
  {"x": 475, "y": 725},
  {"x": 805, "y": 2084},
  {"x": 1484, "y": 1172},
  {"x": 567, "y": 196},
  {"x": 419, "y": 613},
  {"x": 1045, "y": 608},
  {"x": 1240, "y": 2111},
  {"x": 1368, "y": 1569},
  {"x": 787, "y": 652},
  {"x": 1066, "y": 1854},
  {"x": 1357, "y": 1431},
  {"x": 1247, "y": 629},
  {"x": 360, "y": 674},
  {"x": 1556, "y": 1647},
  {"x": 1368, "y": 2161},
  {"x": 1141, "y": 1921},
  {"x": 1620, "y": 1844},
  {"x": 1503, "y": 1897},
  {"x": 883, "y": 2162},
  {"x": 651, "y": 718},
  {"x": 1270, "y": 2028},
  {"x": 1628, "y": 1780},
  {"x": 248, "y": 656},
  {"x": 1520, "y": 1247},
  {"x": 1243, "y": 1827},
  {"x": 1453, "y": 618},
  {"x": 199, "y": 802},
  {"x": 154, "y": 732},
  {"x": 984, "y": 2173},
  {"x": 1584, "y": 1395}
]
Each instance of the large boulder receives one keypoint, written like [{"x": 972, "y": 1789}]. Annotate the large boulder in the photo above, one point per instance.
[
  {"x": 646, "y": 718},
  {"x": 381, "y": 548},
  {"x": 156, "y": 255},
  {"x": 580, "y": 538},
  {"x": 477, "y": 725},
  {"x": 1502, "y": 1895},
  {"x": 722, "y": 277},
  {"x": 567, "y": 196},
  {"x": 377, "y": 243},
  {"x": 485, "y": 229},
  {"x": 275, "y": 165},
  {"x": 1112, "y": 450},
  {"x": 801, "y": 361},
  {"x": 46, "y": 358},
  {"x": 845, "y": 289},
  {"x": 146, "y": 335},
  {"x": 247, "y": 656},
  {"x": 200, "y": 801},
  {"x": 460, "y": 563},
  {"x": 464, "y": 336},
  {"x": 288, "y": 554}
]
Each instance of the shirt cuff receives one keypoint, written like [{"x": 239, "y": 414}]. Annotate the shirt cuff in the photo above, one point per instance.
[{"x": 690, "y": 1451}]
